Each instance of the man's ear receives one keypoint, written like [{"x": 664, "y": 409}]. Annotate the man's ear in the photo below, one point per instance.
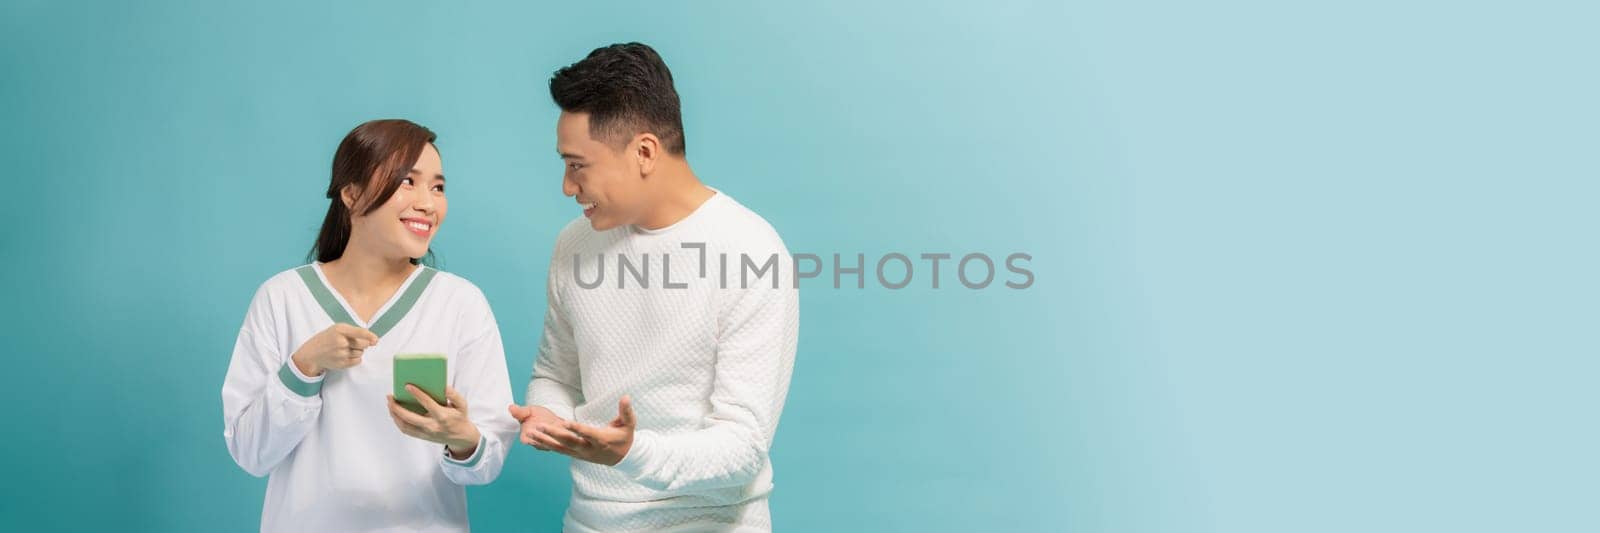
[{"x": 647, "y": 153}]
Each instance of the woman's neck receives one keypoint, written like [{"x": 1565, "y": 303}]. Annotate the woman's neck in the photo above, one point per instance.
[{"x": 361, "y": 274}]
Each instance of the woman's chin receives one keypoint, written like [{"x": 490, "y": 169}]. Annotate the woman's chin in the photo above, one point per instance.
[{"x": 414, "y": 254}]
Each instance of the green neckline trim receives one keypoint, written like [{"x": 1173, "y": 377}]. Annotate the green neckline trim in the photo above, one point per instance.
[{"x": 384, "y": 323}]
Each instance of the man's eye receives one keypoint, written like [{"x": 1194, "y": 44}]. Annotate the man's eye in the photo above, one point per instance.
[{"x": 439, "y": 188}]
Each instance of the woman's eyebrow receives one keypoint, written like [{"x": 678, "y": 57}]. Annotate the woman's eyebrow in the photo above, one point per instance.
[{"x": 439, "y": 177}]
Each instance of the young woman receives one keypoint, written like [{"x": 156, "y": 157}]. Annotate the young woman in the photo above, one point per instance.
[{"x": 307, "y": 400}]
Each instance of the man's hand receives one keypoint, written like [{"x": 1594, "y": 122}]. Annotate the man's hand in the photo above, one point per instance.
[
  {"x": 536, "y": 421},
  {"x": 606, "y": 445},
  {"x": 444, "y": 424}
]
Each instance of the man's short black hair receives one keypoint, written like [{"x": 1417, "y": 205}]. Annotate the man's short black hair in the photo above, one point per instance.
[{"x": 626, "y": 89}]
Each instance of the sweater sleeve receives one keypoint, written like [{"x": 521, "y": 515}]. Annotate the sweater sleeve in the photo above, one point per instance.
[
  {"x": 754, "y": 360},
  {"x": 481, "y": 378},
  {"x": 268, "y": 406},
  {"x": 555, "y": 383}
]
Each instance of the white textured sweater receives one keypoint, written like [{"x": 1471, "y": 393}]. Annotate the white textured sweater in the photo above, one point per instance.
[{"x": 705, "y": 349}]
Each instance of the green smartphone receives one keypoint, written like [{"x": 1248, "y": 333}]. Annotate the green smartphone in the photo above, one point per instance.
[{"x": 426, "y": 371}]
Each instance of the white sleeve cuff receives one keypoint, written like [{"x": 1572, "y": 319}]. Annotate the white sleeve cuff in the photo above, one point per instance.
[
  {"x": 632, "y": 464},
  {"x": 471, "y": 460}
]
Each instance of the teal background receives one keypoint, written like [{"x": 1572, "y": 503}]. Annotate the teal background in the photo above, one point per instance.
[{"x": 1298, "y": 267}]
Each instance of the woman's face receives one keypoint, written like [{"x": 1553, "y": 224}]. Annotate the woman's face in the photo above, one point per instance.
[{"x": 406, "y": 223}]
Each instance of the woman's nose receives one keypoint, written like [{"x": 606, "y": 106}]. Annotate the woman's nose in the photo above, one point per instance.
[{"x": 424, "y": 203}]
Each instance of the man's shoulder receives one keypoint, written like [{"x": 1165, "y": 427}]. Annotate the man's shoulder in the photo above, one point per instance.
[
  {"x": 578, "y": 233},
  {"x": 574, "y": 228},
  {"x": 742, "y": 226}
]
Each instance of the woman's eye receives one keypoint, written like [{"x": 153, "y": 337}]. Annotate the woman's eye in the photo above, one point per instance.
[
  {"x": 406, "y": 181},
  {"x": 439, "y": 188}
]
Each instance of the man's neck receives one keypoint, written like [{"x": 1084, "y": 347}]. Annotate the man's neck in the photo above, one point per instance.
[{"x": 681, "y": 194}]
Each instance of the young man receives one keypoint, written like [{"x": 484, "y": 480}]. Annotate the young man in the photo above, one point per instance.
[{"x": 669, "y": 338}]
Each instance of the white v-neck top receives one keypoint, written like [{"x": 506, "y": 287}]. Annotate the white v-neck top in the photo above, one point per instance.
[{"x": 333, "y": 457}]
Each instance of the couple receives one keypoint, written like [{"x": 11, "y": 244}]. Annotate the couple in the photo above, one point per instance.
[{"x": 665, "y": 396}]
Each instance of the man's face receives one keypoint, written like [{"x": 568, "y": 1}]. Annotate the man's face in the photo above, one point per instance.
[{"x": 604, "y": 179}]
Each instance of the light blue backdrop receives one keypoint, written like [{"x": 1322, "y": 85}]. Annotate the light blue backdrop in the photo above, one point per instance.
[{"x": 1317, "y": 268}]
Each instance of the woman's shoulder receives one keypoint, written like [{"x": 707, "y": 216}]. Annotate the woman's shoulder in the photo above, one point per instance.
[
  {"x": 285, "y": 281},
  {"x": 278, "y": 290},
  {"x": 454, "y": 285},
  {"x": 460, "y": 296}
]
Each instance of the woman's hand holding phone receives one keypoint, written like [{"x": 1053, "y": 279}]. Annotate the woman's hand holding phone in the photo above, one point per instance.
[{"x": 444, "y": 424}]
